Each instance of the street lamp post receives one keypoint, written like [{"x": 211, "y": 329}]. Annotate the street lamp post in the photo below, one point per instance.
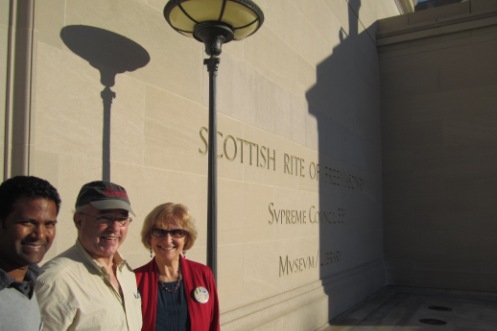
[{"x": 213, "y": 22}]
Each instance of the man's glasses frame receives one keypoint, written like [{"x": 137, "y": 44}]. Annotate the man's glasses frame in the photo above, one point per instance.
[{"x": 109, "y": 220}]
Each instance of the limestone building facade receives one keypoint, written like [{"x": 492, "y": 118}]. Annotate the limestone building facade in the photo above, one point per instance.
[{"x": 314, "y": 208}]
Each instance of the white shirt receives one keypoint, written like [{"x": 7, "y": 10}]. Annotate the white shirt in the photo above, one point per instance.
[{"x": 75, "y": 293}]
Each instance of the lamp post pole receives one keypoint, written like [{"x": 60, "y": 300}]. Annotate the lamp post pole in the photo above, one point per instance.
[
  {"x": 213, "y": 35},
  {"x": 214, "y": 23},
  {"x": 212, "y": 64}
]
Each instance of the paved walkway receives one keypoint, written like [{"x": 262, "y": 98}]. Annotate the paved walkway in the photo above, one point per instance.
[{"x": 408, "y": 309}]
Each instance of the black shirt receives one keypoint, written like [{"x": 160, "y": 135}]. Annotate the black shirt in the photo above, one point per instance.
[{"x": 172, "y": 309}]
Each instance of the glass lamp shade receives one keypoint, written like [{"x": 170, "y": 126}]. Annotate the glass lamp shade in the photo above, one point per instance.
[{"x": 242, "y": 17}]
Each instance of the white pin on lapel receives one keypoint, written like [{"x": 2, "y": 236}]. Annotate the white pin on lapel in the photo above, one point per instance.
[{"x": 201, "y": 294}]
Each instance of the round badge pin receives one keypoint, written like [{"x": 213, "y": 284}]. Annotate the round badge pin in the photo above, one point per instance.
[{"x": 201, "y": 294}]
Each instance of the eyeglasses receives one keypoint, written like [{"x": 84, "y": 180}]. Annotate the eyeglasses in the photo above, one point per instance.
[
  {"x": 109, "y": 220},
  {"x": 162, "y": 233}
]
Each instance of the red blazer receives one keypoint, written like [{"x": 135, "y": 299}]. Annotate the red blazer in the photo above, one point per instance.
[{"x": 203, "y": 316}]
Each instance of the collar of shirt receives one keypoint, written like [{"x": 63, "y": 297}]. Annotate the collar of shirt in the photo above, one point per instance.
[
  {"x": 87, "y": 259},
  {"x": 26, "y": 286}
]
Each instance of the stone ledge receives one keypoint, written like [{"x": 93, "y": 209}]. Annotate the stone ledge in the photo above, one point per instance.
[
  {"x": 438, "y": 21},
  {"x": 310, "y": 304}
]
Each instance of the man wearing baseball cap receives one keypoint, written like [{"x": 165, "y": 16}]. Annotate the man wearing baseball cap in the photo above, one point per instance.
[{"x": 90, "y": 286}]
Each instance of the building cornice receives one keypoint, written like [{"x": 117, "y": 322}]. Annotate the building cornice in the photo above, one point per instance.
[{"x": 438, "y": 21}]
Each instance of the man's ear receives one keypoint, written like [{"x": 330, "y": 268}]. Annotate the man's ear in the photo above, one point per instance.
[{"x": 77, "y": 219}]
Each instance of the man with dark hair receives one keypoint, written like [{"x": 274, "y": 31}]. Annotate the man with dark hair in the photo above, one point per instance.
[
  {"x": 28, "y": 214},
  {"x": 90, "y": 286}
]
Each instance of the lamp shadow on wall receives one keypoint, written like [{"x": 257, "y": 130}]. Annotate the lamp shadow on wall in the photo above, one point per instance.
[
  {"x": 345, "y": 102},
  {"x": 111, "y": 54}
]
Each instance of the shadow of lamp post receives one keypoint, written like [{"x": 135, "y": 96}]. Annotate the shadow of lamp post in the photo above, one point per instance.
[
  {"x": 213, "y": 22},
  {"x": 111, "y": 54}
]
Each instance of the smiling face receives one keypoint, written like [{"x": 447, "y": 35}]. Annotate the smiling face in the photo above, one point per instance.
[
  {"x": 26, "y": 234},
  {"x": 167, "y": 249},
  {"x": 100, "y": 239}
]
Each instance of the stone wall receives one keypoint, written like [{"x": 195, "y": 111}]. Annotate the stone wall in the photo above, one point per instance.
[
  {"x": 439, "y": 128},
  {"x": 113, "y": 92}
]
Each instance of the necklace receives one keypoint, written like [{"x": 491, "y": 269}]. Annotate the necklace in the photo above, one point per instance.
[{"x": 176, "y": 285}]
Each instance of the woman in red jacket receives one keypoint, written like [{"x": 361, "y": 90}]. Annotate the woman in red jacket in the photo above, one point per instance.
[{"x": 176, "y": 293}]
